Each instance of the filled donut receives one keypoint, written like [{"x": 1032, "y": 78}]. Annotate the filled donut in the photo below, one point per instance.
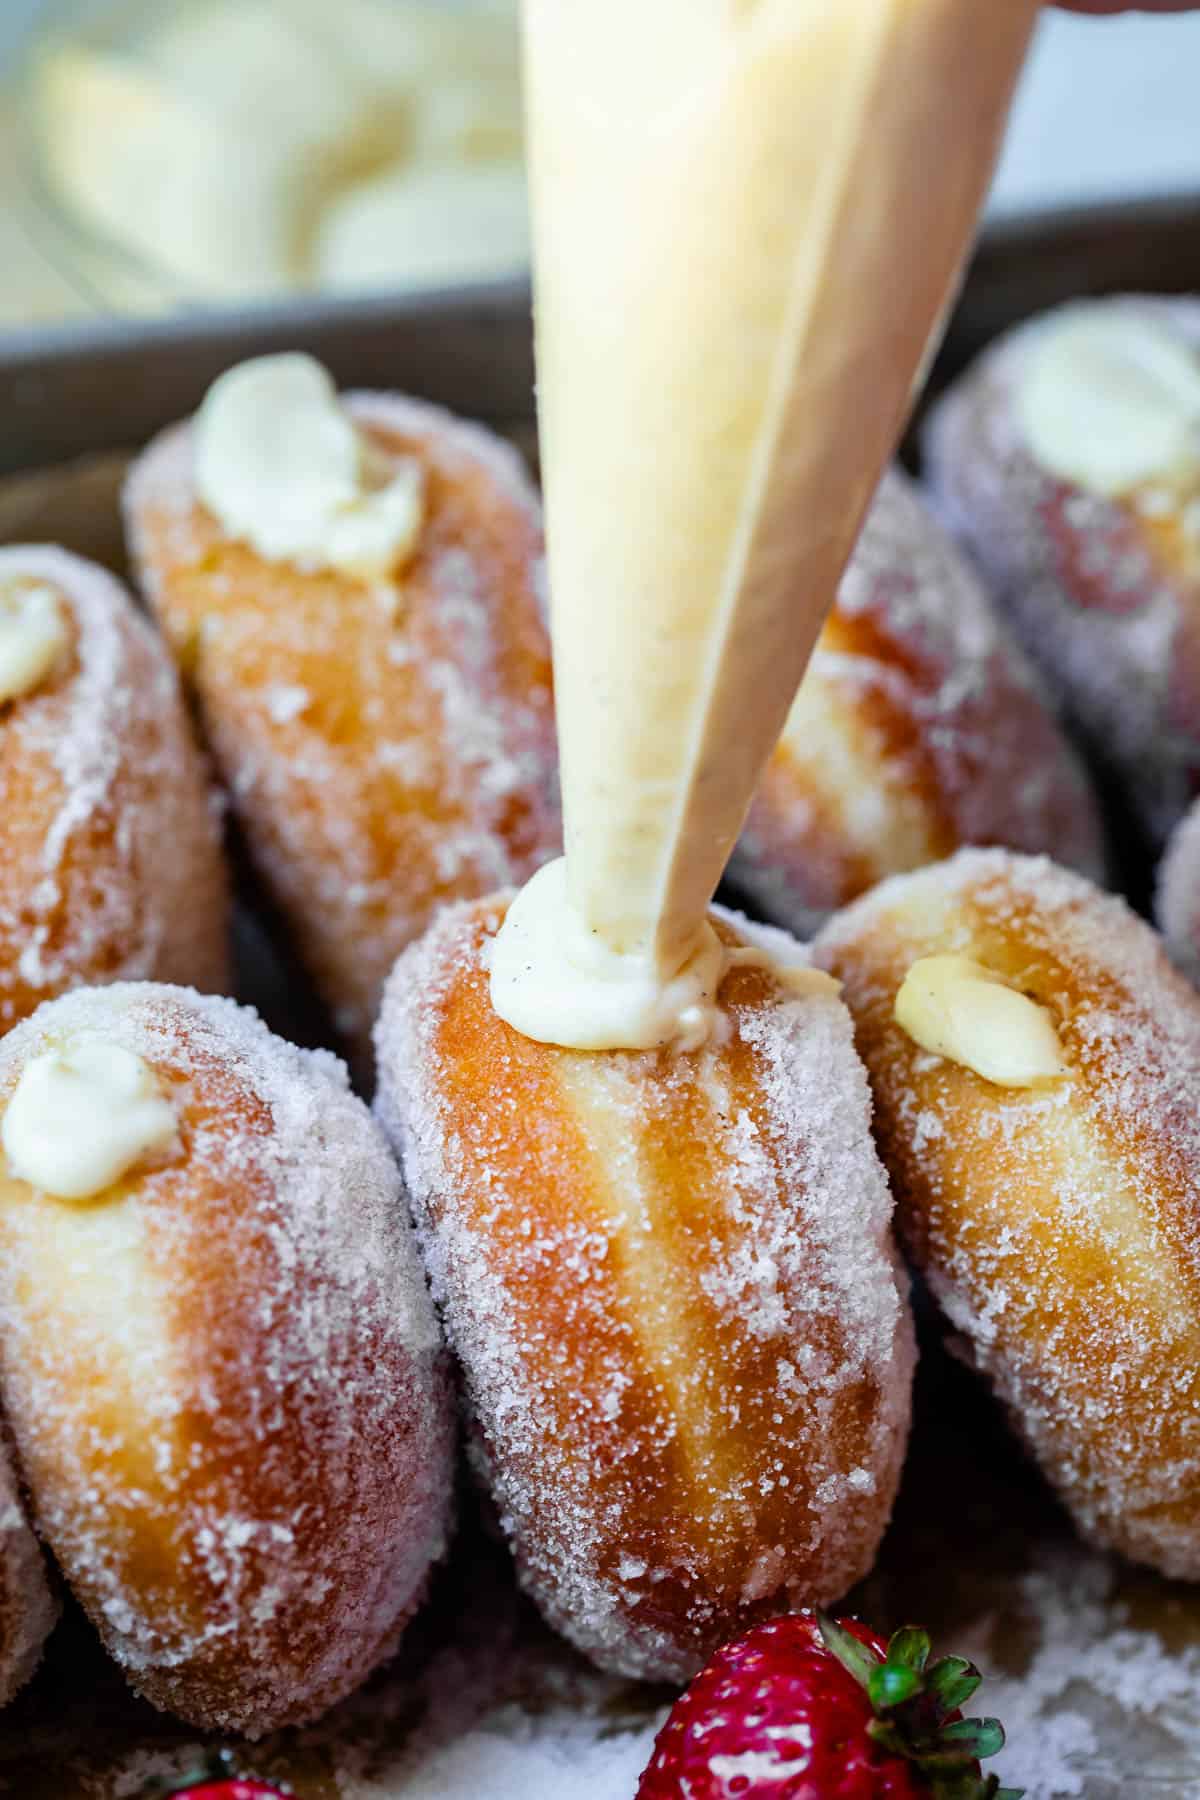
[
  {"x": 669, "y": 1280},
  {"x": 28, "y": 1607},
  {"x": 1178, "y": 900},
  {"x": 112, "y": 867},
  {"x": 919, "y": 727},
  {"x": 353, "y": 592},
  {"x": 218, "y": 1356},
  {"x": 1068, "y": 459},
  {"x": 1035, "y": 1063}
]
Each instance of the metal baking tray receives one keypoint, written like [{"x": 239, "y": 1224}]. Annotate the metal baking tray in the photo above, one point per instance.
[
  {"x": 1096, "y": 1666},
  {"x": 78, "y": 390}
]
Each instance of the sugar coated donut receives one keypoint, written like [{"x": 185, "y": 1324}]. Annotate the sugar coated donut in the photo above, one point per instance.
[
  {"x": 1178, "y": 899},
  {"x": 1100, "y": 572},
  {"x": 28, "y": 1607},
  {"x": 388, "y": 744},
  {"x": 919, "y": 727},
  {"x": 112, "y": 866},
  {"x": 222, "y": 1370},
  {"x": 1039, "y": 1112},
  {"x": 670, "y": 1283}
]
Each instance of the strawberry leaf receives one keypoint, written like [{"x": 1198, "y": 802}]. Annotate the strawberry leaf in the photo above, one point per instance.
[
  {"x": 891, "y": 1684},
  {"x": 909, "y": 1648},
  {"x": 912, "y": 1702},
  {"x": 982, "y": 1737},
  {"x": 858, "y": 1659},
  {"x": 953, "y": 1681},
  {"x": 945, "y": 1758}
]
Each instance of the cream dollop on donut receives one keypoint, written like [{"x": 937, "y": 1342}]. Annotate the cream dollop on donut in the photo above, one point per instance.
[
  {"x": 1110, "y": 400},
  {"x": 33, "y": 636},
  {"x": 83, "y": 1115},
  {"x": 954, "y": 1007},
  {"x": 281, "y": 463},
  {"x": 554, "y": 980}
]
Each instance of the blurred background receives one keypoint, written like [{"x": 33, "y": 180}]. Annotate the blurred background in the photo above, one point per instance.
[{"x": 158, "y": 154}]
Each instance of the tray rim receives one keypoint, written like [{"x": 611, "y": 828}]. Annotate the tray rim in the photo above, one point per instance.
[{"x": 77, "y": 388}]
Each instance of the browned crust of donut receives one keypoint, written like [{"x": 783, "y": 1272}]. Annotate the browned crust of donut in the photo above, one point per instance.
[
  {"x": 117, "y": 885},
  {"x": 928, "y": 770},
  {"x": 1058, "y": 1229},
  {"x": 822, "y": 859},
  {"x": 28, "y": 1606},
  {"x": 216, "y": 1455},
  {"x": 695, "y": 1489},
  {"x": 1177, "y": 899},
  {"x": 361, "y": 855}
]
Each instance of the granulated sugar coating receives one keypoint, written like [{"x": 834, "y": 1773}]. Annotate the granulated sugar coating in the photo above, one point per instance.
[
  {"x": 1178, "y": 900},
  {"x": 670, "y": 1282},
  {"x": 919, "y": 727},
  {"x": 112, "y": 863},
  {"x": 224, "y": 1377},
  {"x": 28, "y": 1609},
  {"x": 388, "y": 748},
  {"x": 1057, "y": 1227},
  {"x": 1105, "y": 594}
]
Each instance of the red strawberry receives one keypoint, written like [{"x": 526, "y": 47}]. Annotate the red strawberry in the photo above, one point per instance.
[
  {"x": 232, "y": 1787},
  {"x": 213, "y": 1781},
  {"x": 812, "y": 1708}
]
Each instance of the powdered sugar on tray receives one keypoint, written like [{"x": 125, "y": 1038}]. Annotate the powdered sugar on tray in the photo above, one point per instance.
[
  {"x": 516, "y": 1755},
  {"x": 1112, "y": 619},
  {"x": 1104, "y": 1705},
  {"x": 920, "y": 727}
]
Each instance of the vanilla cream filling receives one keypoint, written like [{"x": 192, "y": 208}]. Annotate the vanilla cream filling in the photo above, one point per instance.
[
  {"x": 283, "y": 467},
  {"x": 562, "y": 984},
  {"x": 955, "y": 1008},
  {"x": 747, "y": 222},
  {"x": 34, "y": 636},
  {"x": 1110, "y": 400},
  {"x": 83, "y": 1115}
]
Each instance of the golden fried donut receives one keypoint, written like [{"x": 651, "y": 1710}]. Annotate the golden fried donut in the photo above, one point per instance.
[
  {"x": 670, "y": 1283},
  {"x": 28, "y": 1608},
  {"x": 223, "y": 1374},
  {"x": 388, "y": 747},
  {"x": 1178, "y": 899},
  {"x": 1056, "y": 1224},
  {"x": 919, "y": 727},
  {"x": 1104, "y": 592},
  {"x": 112, "y": 867}
]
